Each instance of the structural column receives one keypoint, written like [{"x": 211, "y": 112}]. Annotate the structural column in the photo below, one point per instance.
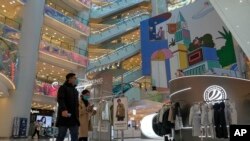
[{"x": 18, "y": 104}]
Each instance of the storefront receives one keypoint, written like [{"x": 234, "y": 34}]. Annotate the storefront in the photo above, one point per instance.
[{"x": 202, "y": 90}]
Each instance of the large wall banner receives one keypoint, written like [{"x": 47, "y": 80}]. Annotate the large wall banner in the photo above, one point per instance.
[
  {"x": 193, "y": 39},
  {"x": 120, "y": 113}
]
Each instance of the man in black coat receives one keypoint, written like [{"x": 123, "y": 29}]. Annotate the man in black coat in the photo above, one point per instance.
[{"x": 68, "y": 112}]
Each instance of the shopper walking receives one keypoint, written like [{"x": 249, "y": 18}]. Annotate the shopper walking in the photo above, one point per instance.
[
  {"x": 68, "y": 113},
  {"x": 37, "y": 129},
  {"x": 85, "y": 111}
]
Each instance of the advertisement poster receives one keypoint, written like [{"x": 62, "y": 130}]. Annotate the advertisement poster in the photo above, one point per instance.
[
  {"x": 120, "y": 113},
  {"x": 23, "y": 127}
]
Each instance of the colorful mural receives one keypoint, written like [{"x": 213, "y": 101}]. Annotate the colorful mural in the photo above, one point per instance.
[{"x": 193, "y": 41}]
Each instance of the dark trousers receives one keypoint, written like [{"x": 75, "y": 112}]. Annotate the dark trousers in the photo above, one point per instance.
[
  {"x": 63, "y": 131},
  {"x": 36, "y": 132},
  {"x": 83, "y": 139}
]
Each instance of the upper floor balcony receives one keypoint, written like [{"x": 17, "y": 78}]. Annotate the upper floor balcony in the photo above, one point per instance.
[{"x": 79, "y": 4}]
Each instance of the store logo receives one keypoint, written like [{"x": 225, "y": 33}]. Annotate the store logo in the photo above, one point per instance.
[{"x": 214, "y": 93}]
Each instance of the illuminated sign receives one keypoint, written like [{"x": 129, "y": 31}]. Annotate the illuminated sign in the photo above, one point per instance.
[{"x": 214, "y": 94}]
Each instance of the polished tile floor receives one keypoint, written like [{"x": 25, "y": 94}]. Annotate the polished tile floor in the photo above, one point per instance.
[{"x": 135, "y": 139}]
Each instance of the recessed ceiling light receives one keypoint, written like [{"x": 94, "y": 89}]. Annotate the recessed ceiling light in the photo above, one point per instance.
[
  {"x": 226, "y": 8},
  {"x": 46, "y": 29},
  {"x": 44, "y": 63},
  {"x": 13, "y": 1},
  {"x": 53, "y": 66},
  {"x": 53, "y": 71},
  {"x": 237, "y": 26},
  {"x": 50, "y": 3},
  {"x": 53, "y": 36},
  {"x": 43, "y": 76},
  {"x": 44, "y": 68},
  {"x": 46, "y": 33},
  {"x": 55, "y": 33},
  {"x": 62, "y": 36},
  {"x": 3, "y": 6},
  {"x": 4, "y": 11}
]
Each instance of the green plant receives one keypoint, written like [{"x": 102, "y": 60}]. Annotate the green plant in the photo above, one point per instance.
[{"x": 226, "y": 53}]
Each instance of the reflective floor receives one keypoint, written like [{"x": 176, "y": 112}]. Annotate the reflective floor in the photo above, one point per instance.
[{"x": 134, "y": 139}]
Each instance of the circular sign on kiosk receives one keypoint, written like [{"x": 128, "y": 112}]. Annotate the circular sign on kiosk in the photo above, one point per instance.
[{"x": 214, "y": 94}]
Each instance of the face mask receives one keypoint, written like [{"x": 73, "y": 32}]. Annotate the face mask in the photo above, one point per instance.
[
  {"x": 76, "y": 82},
  {"x": 86, "y": 97}
]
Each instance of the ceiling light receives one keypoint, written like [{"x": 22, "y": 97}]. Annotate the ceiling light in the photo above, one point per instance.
[
  {"x": 53, "y": 71},
  {"x": 43, "y": 76},
  {"x": 62, "y": 36},
  {"x": 50, "y": 3},
  {"x": 3, "y": 6},
  {"x": 44, "y": 63},
  {"x": 55, "y": 33},
  {"x": 46, "y": 33},
  {"x": 58, "y": 73},
  {"x": 53, "y": 36},
  {"x": 13, "y": 1},
  {"x": 53, "y": 66},
  {"x": 54, "y": 79},
  {"x": 44, "y": 68},
  {"x": 61, "y": 76},
  {"x": 46, "y": 29},
  {"x": 4, "y": 11}
]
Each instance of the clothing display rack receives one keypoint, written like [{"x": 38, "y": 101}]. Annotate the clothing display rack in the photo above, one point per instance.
[{"x": 101, "y": 99}]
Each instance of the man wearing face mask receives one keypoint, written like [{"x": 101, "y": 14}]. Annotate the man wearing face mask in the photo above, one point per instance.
[
  {"x": 85, "y": 112},
  {"x": 68, "y": 112}
]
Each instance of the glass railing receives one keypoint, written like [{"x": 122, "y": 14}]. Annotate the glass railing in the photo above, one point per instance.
[
  {"x": 9, "y": 29},
  {"x": 10, "y": 22},
  {"x": 118, "y": 79},
  {"x": 108, "y": 4},
  {"x": 66, "y": 12},
  {"x": 113, "y": 52},
  {"x": 122, "y": 21},
  {"x": 56, "y": 51},
  {"x": 72, "y": 22},
  {"x": 65, "y": 45}
]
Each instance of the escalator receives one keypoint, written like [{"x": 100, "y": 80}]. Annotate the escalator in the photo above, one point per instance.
[
  {"x": 117, "y": 55},
  {"x": 112, "y": 7},
  {"x": 119, "y": 28},
  {"x": 128, "y": 77}
]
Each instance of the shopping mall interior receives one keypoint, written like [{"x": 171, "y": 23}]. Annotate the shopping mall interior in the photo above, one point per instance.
[{"x": 171, "y": 63}]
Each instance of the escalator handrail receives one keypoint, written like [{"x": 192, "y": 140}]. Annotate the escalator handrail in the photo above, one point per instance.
[
  {"x": 127, "y": 73},
  {"x": 113, "y": 25},
  {"x": 112, "y": 52}
]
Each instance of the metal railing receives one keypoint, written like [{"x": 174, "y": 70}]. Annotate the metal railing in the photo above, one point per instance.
[
  {"x": 10, "y": 22},
  {"x": 135, "y": 15}
]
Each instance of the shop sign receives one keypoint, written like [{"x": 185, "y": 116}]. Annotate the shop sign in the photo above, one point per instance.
[{"x": 214, "y": 94}]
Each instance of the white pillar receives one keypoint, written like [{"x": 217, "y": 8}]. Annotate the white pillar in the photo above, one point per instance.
[{"x": 19, "y": 103}]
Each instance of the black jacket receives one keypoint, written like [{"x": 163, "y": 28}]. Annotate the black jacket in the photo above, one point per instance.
[{"x": 67, "y": 99}]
